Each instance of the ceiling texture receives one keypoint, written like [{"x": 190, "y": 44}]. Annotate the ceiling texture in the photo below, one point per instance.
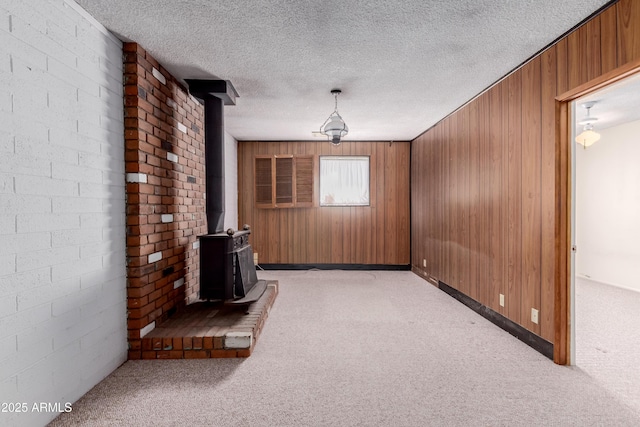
[
  {"x": 615, "y": 104},
  {"x": 402, "y": 65}
]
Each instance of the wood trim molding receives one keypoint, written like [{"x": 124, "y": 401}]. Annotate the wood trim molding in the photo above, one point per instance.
[
  {"x": 562, "y": 318},
  {"x": 606, "y": 79},
  {"x": 562, "y": 336}
]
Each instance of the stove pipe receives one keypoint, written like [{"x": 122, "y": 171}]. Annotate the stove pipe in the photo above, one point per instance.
[
  {"x": 214, "y": 163},
  {"x": 215, "y": 94}
]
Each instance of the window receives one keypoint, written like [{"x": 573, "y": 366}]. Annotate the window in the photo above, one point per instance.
[
  {"x": 344, "y": 180},
  {"x": 283, "y": 181}
]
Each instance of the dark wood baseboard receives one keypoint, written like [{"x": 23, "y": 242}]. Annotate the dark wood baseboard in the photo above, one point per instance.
[
  {"x": 334, "y": 267},
  {"x": 532, "y": 340}
]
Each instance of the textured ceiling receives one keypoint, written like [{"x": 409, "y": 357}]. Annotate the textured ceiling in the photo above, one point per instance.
[
  {"x": 402, "y": 65},
  {"x": 615, "y": 104}
]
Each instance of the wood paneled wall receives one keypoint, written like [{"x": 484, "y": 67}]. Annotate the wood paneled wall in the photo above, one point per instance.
[
  {"x": 486, "y": 188},
  {"x": 375, "y": 234}
]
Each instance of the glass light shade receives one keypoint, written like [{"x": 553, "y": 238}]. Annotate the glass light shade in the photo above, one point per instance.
[
  {"x": 588, "y": 138},
  {"x": 336, "y": 126},
  {"x": 335, "y": 129}
]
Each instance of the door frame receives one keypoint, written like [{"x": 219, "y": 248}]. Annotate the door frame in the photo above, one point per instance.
[{"x": 564, "y": 336}]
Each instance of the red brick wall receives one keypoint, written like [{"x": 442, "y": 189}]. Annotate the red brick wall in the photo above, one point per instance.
[{"x": 164, "y": 146}]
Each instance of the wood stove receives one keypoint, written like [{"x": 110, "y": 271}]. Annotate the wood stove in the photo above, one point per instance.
[{"x": 227, "y": 271}]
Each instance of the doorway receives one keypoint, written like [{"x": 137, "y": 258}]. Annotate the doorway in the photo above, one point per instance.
[{"x": 605, "y": 205}]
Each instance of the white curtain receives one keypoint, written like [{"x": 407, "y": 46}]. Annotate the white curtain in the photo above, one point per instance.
[{"x": 344, "y": 181}]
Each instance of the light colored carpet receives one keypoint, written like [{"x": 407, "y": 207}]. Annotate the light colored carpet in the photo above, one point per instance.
[
  {"x": 355, "y": 348},
  {"x": 608, "y": 338}
]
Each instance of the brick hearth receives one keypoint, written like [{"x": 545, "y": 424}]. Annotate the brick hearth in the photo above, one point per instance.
[{"x": 209, "y": 330}]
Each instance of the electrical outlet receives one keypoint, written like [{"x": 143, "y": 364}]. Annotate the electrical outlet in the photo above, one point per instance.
[
  {"x": 255, "y": 258},
  {"x": 424, "y": 263},
  {"x": 501, "y": 300},
  {"x": 534, "y": 316}
]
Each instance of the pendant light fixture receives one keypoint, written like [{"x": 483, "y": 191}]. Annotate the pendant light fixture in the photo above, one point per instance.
[
  {"x": 588, "y": 136},
  {"x": 334, "y": 127}
]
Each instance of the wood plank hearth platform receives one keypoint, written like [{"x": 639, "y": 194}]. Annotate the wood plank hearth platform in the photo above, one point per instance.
[{"x": 210, "y": 330}]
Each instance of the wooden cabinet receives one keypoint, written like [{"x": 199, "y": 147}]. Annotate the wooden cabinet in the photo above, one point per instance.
[{"x": 283, "y": 181}]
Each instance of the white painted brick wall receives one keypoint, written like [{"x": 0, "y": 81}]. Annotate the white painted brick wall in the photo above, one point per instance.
[
  {"x": 7, "y": 142},
  {"x": 62, "y": 206},
  {"x": 7, "y": 264},
  {"x": 7, "y": 224}
]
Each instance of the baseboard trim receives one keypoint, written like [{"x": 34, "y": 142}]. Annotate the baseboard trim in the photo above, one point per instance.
[
  {"x": 602, "y": 282},
  {"x": 392, "y": 267},
  {"x": 532, "y": 340}
]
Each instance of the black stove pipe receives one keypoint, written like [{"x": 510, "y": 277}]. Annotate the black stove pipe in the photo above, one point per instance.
[
  {"x": 215, "y": 94},
  {"x": 214, "y": 162}
]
